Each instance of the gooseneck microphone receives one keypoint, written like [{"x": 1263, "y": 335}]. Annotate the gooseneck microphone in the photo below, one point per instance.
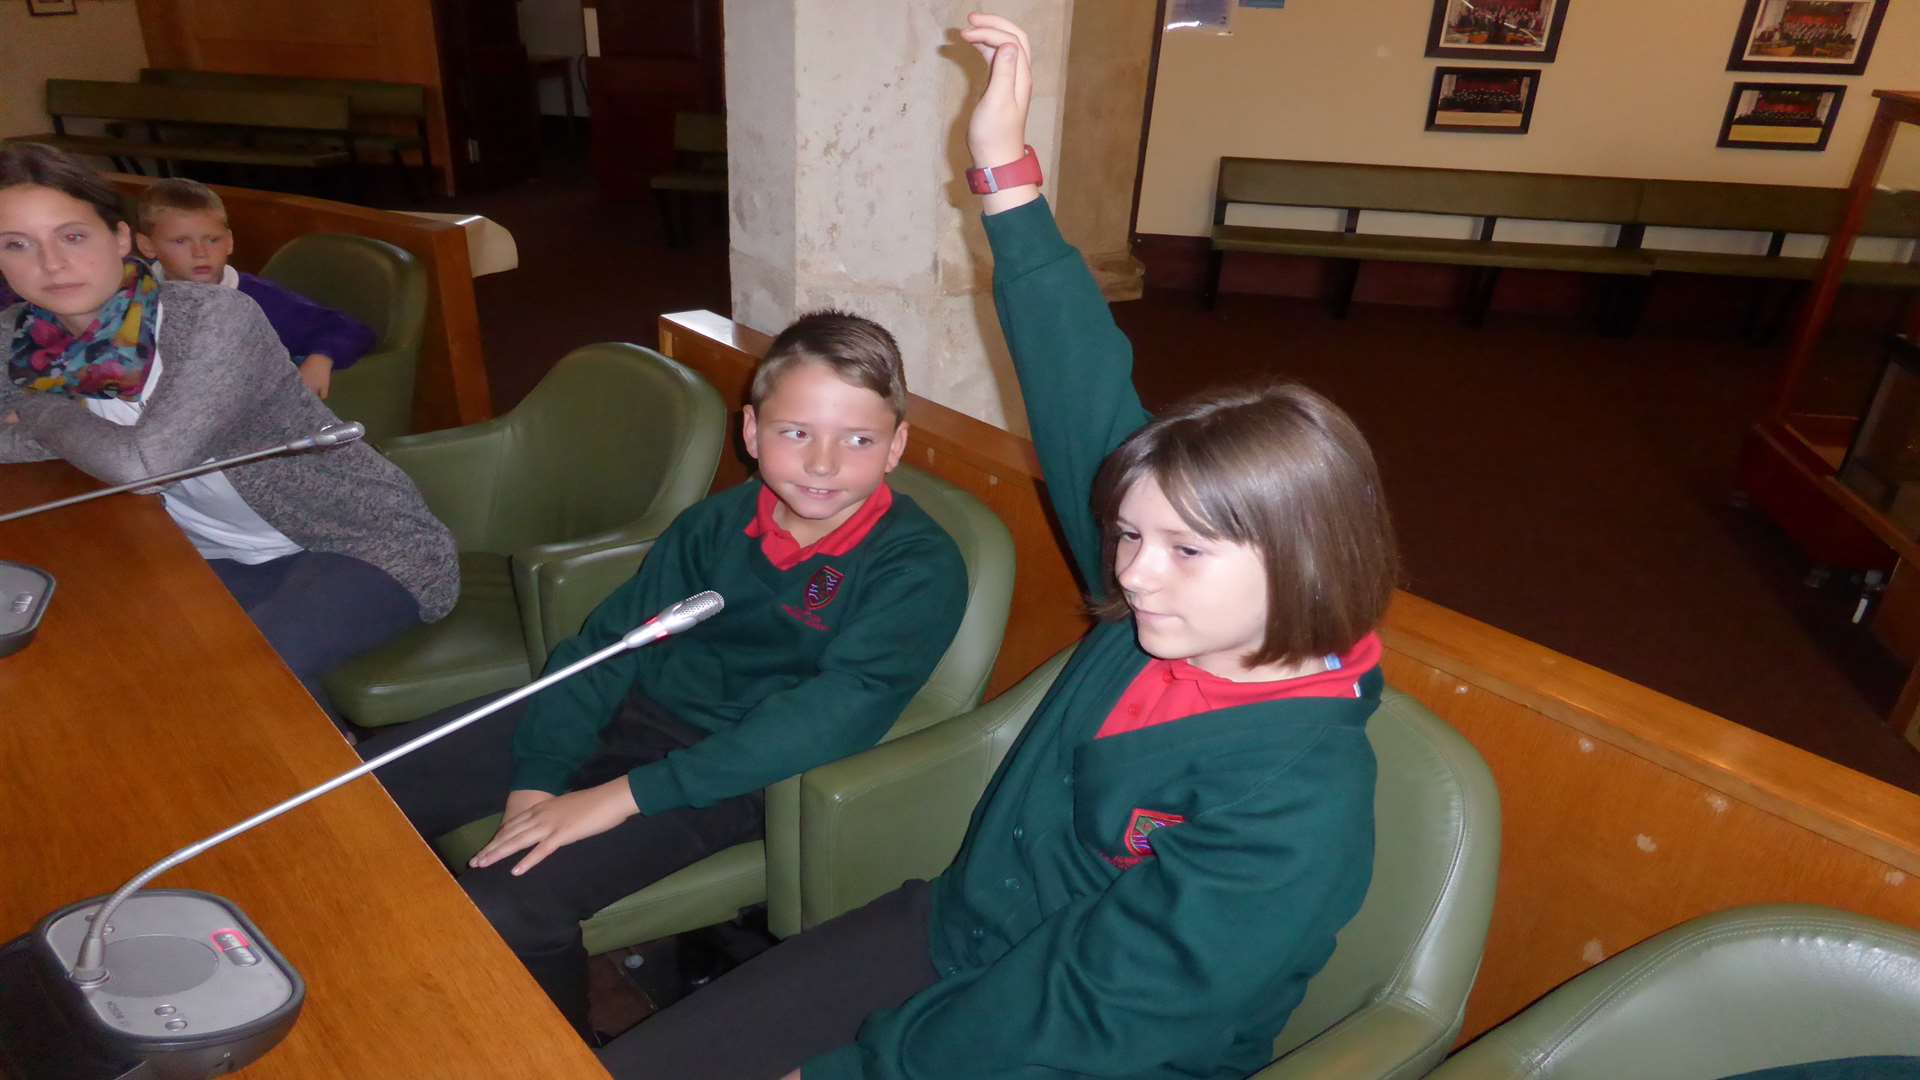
[
  {"x": 188, "y": 986},
  {"x": 333, "y": 435}
]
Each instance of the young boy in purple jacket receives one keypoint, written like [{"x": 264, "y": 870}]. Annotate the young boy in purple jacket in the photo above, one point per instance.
[{"x": 182, "y": 227}]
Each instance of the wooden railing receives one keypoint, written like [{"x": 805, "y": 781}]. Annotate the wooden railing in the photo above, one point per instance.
[
  {"x": 451, "y": 389},
  {"x": 1624, "y": 812}
]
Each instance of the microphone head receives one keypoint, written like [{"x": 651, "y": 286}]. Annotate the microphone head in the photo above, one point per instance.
[
  {"x": 694, "y": 609},
  {"x": 340, "y": 433}
]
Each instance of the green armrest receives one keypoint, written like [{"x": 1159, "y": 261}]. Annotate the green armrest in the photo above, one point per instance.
[
  {"x": 1728, "y": 993},
  {"x": 899, "y": 811}
]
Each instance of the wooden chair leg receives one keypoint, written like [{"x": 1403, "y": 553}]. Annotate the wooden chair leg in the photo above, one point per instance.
[
  {"x": 1210, "y": 291},
  {"x": 1346, "y": 274}
]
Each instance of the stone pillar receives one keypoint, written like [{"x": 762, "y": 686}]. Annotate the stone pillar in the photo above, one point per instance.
[
  {"x": 846, "y": 147},
  {"x": 1105, "y": 112}
]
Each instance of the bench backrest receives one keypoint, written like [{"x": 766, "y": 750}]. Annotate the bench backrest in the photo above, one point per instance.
[
  {"x": 1690, "y": 204},
  {"x": 1424, "y": 190},
  {"x": 174, "y": 104},
  {"x": 366, "y": 97}
]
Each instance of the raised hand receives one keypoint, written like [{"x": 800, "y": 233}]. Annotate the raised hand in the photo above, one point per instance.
[{"x": 997, "y": 131}]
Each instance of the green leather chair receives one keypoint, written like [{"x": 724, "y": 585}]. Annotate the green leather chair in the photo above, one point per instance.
[
  {"x": 553, "y": 506},
  {"x": 1391, "y": 1000},
  {"x": 382, "y": 286},
  {"x": 1728, "y": 993},
  {"x": 716, "y": 888}
]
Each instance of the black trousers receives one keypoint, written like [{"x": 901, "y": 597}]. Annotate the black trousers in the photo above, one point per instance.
[
  {"x": 318, "y": 610},
  {"x": 803, "y": 997},
  {"x": 466, "y": 776}
]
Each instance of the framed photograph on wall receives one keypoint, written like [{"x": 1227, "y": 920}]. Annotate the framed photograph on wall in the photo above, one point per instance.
[
  {"x": 1495, "y": 101},
  {"x": 1524, "y": 30},
  {"x": 51, "y": 7},
  {"x": 1781, "y": 116},
  {"x": 1831, "y": 37}
]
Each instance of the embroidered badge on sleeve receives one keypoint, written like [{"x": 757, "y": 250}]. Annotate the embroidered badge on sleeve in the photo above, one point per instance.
[{"x": 1138, "y": 840}]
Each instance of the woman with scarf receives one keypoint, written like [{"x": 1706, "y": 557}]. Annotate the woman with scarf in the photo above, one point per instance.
[{"x": 330, "y": 552}]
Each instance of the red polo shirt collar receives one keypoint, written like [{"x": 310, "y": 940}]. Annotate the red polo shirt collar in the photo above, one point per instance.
[
  {"x": 1169, "y": 690},
  {"x": 785, "y": 553}
]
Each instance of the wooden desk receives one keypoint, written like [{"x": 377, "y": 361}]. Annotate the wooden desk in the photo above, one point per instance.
[{"x": 148, "y": 714}]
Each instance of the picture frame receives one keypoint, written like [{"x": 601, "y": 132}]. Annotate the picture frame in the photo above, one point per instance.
[
  {"x": 1488, "y": 101},
  {"x": 52, "y": 7},
  {"x": 1781, "y": 116},
  {"x": 1525, "y": 31},
  {"x": 1827, "y": 37}
]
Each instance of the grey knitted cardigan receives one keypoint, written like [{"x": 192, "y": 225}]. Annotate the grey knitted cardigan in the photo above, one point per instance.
[{"x": 228, "y": 388}]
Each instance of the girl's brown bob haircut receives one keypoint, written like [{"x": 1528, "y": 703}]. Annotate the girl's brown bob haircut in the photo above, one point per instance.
[
  {"x": 43, "y": 166},
  {"x": 1284, "y": 471}
]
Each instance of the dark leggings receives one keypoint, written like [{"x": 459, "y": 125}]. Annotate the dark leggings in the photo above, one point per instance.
[
  {"x": 318, "y": 610},
  {"x": 466, "y": 776},
  {"x": 802, "y": 998}
]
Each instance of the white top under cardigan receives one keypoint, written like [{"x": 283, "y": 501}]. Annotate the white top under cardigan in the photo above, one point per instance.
[{"x": 206, "y": 507}]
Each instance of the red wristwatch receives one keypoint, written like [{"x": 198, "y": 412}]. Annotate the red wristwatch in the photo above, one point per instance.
[{"x": 988, "y": 181}]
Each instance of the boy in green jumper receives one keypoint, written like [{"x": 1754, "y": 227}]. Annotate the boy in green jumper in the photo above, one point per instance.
[
  {"x": 1162, "y": 861},
  {"x": 841, "y": 597}
]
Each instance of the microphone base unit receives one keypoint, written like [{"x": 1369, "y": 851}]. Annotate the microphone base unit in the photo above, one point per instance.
[
  {"x": 193, "y": 990},
  {"x": 24, "y": 593}
]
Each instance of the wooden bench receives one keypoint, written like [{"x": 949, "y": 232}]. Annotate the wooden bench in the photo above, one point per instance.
[
  {"x": 376, "y": 109},
  {"x": 1358, "y": 189},
  {"x": 1630, "y": 205},
  {"x": 183, "y": 124}
]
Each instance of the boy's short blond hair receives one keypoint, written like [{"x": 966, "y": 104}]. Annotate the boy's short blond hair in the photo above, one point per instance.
[
  {"x": 187, "y": 196},
  {"x": 858, "y": 350}
]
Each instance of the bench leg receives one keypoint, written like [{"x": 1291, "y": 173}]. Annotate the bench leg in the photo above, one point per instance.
[
  {"x": 1346, "y": 273},
  {"x": 1622, "y": 299},
  {"x": 416, "y": 185},
  {"x": 1210, "y": 290},
  {"x": 1480, "y": 296},
  {"x": 669, "y": 217}
]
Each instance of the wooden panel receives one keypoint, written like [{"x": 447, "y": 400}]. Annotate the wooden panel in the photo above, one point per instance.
[
  {"x": 193, "y": 724},
  {"x": 995, "y": 467},
  {"x": 390, "y": 40},
  {"x": 1624, "y": 812},
  {"x": 452, "y": 385}
]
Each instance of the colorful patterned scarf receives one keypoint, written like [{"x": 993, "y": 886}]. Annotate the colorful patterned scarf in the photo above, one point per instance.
[{"x": 109, "y": 360}]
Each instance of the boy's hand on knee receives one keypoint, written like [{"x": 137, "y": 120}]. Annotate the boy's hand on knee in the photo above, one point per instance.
[
  {"x": 553, "y": 822},
  {"x": 521, "y": 801},
  {"x": 316, "y": 372}
]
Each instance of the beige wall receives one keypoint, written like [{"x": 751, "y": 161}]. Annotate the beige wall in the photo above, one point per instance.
[
  {"x": 101, "y": 42},
  {"x": 1639, "y": 89}
]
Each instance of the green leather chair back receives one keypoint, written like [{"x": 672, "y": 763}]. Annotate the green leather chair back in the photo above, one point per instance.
[
  {"x": 1391, "y": 1000},
  {"x": 1739, "y": 990},
  {"x": 381, "y": 285},
  {"x": 986, "y": 546},
  {"x": 581, "y": 454}
]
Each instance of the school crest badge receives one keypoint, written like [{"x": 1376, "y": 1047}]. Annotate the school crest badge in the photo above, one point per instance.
[
  {"x": 1141, "y": 827},
  {"x": 824, "y": 586}
]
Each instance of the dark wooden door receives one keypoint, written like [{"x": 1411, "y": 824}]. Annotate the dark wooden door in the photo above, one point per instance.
[
  {"x": 493, "y": 116},
  {"x": 657, "y": 57}
]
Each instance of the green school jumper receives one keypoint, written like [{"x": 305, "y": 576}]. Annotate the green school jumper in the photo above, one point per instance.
[
  {"x": 1054, "y": 961},
  {"x": 802, "y": 667}
]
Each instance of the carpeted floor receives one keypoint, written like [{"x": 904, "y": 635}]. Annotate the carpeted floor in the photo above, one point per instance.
[{"x": 1569, "y": 489}]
